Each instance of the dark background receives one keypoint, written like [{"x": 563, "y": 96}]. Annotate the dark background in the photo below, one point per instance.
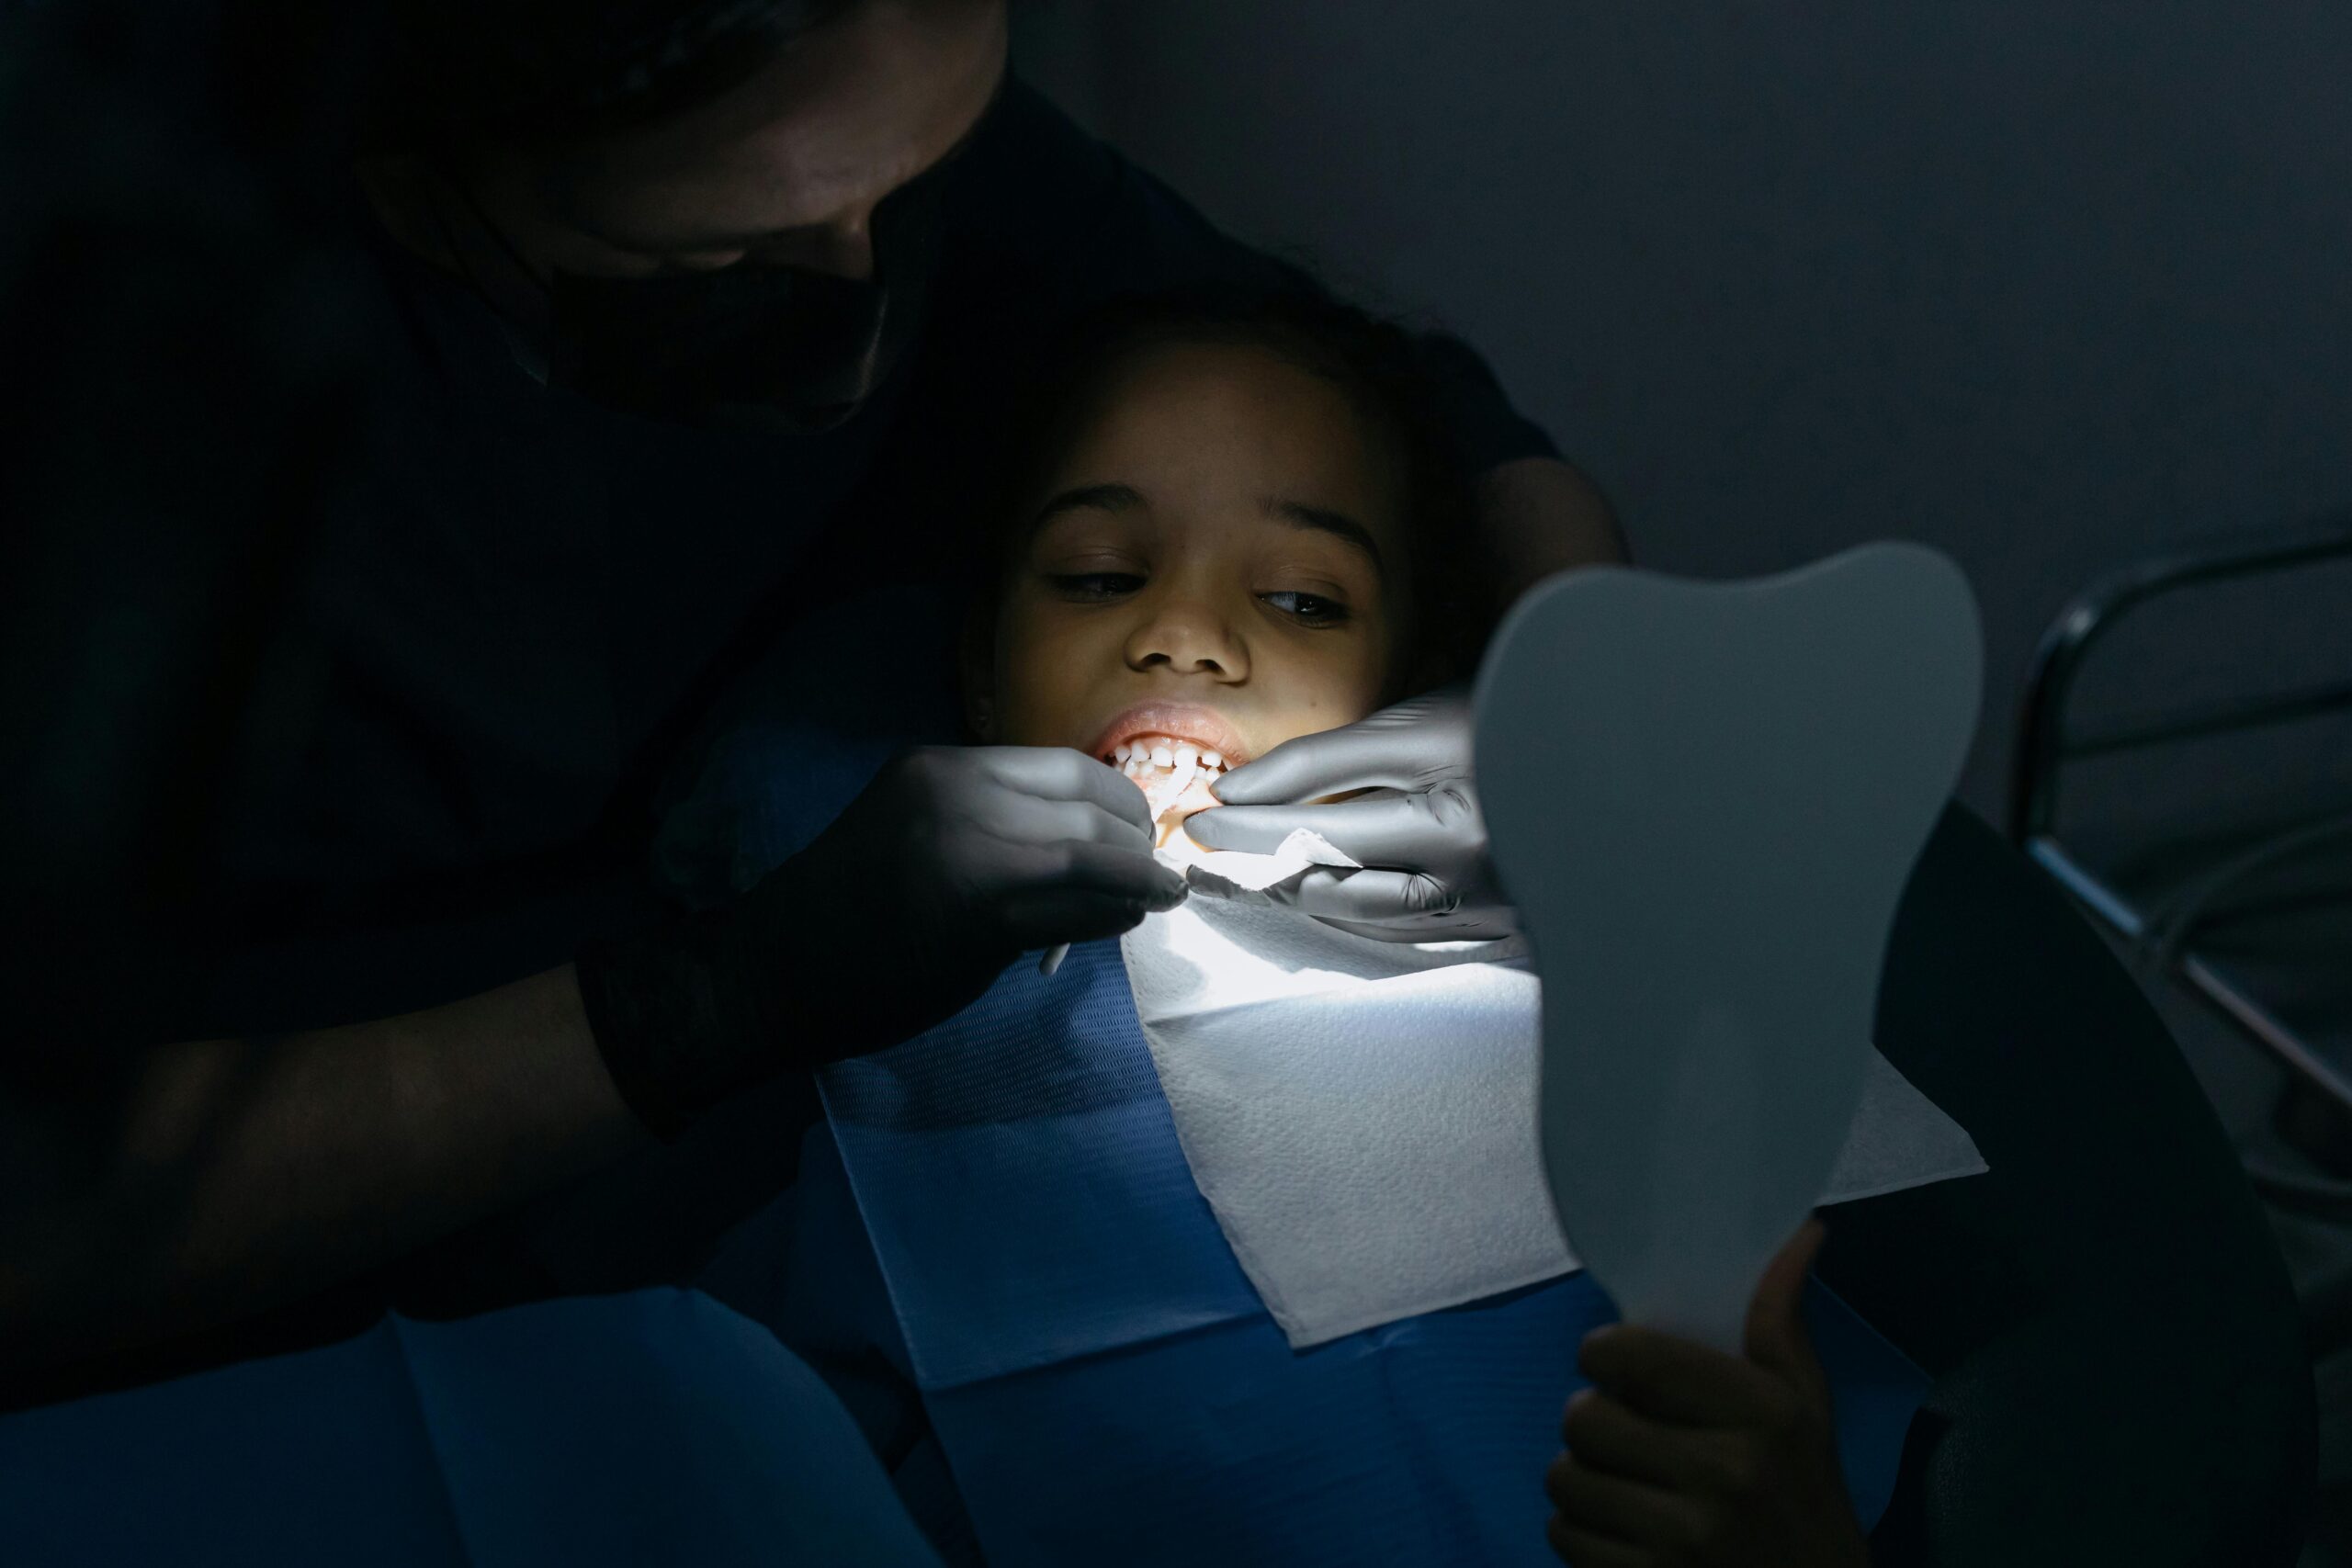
[{"x": 2046, "y": 286}]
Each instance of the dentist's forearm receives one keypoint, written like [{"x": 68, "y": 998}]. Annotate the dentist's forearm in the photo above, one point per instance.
[
  {"x": 1539, "y": 517},
  {"x": 205, "y": 1180}
]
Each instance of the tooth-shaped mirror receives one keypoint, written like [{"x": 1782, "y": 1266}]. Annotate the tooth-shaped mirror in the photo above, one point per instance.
[{"x": 1704, "y": 799}]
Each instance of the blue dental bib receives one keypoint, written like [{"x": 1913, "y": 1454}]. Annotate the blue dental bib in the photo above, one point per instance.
[{"x": 1104, "y": 1381}]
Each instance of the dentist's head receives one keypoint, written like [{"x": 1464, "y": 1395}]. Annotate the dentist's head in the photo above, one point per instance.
[{"x": 701, "y": 208}]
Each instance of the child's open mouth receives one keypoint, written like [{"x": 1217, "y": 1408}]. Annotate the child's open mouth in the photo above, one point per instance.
[{"x": 1174, "y": 776}]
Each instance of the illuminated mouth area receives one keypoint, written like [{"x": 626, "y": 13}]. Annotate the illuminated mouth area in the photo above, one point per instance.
[{"x": 1174, "y": 776}]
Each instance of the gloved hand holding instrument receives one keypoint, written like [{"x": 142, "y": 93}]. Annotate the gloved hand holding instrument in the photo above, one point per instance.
[
  {"x": 954, "y": 862},
  {"x": 1422, "y": 837}
]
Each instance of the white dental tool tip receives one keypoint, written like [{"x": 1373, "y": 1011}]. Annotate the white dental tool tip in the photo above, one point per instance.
[{"x": 1052, "y": 958}]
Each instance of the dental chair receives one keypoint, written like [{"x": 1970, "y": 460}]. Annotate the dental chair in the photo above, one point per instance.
[
  {"x": 2120, "y": 1370},
  {"x": 2248, "y": 910}
]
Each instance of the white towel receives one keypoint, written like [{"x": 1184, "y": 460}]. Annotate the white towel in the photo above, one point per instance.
[{"x": 1361, "y": 1115}]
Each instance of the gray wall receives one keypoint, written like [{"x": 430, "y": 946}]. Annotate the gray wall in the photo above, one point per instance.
[{"x": 2044, "y": 285}]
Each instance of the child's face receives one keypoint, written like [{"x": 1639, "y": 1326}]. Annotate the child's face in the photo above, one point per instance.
[{"x": 1218, "y": 557}]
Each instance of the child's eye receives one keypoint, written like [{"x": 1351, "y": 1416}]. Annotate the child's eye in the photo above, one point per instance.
[
  {"x": 1312, "y": 609},
  {"x": 1088, "y": 585}
]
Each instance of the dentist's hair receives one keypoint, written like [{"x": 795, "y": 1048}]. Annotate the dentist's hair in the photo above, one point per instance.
[{"x": 442, "y": 72}]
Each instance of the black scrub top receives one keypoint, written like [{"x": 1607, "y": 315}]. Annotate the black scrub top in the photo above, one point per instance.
[
  {"x": 528, "y": 599},
  {"x": 519, "y": 604}
]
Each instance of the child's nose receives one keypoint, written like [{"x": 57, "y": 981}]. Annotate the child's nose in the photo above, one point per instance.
[{"x": 1188, "y": 640}]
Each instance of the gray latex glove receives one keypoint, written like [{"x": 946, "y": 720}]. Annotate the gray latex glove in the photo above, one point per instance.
[
  {"x": 1422, "y": 840},
  {"x": 953, "y": 863}
]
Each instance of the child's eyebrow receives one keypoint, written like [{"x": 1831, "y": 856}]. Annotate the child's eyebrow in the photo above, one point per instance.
[
  {"x": 1103, "y": 497},
  {"x": 1323, "y": 520}
]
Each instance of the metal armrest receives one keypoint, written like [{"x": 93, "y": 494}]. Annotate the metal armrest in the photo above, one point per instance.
[
  {"x": 2162, "y": 926},
  {"x": 2042, "y": 745}
]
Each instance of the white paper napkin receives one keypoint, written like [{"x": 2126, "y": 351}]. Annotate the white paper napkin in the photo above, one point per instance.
[{"x": 1361, "y": 1115}]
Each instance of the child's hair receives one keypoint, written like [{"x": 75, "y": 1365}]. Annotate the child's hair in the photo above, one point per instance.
[{"x": 1374, "y": 362}]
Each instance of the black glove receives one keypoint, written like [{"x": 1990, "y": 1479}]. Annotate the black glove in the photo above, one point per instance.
[
  {"x": 1423, "y": 843},
  {"x": 955, "y": 862}
]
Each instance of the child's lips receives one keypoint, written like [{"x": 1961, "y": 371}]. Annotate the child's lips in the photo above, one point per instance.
[{"x": 1174, "y": 723}]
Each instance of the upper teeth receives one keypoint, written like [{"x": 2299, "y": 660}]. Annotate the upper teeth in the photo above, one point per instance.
[{"x": 1147, "y": 753}]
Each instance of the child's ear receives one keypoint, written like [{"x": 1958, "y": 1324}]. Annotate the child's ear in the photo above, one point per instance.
[{"x": 978, "y": 663}]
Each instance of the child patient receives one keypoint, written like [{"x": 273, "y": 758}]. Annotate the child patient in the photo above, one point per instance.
[
  {"x": 1238, "y": 528},
  {"x": 1232, "y": 525}
]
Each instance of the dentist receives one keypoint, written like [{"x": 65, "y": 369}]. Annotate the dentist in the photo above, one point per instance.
[{"x": 626, "y": 305}]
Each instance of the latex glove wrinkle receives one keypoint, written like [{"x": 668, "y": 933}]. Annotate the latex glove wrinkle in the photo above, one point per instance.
[{"x": 1417, "y": 829}]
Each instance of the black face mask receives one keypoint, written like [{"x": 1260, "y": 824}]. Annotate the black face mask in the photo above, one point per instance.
[
  {"x": 746, "y": 347},
  {"x": 753, "y": 346}
]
